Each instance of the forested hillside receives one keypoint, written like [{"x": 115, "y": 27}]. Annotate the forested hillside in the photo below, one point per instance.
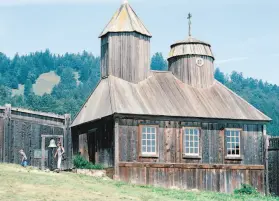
[{"x": 69, "y": 95}]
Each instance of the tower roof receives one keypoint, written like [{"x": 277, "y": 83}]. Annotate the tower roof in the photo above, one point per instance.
[
  {"x": 125, "y": 20},
  {"x": 190, "y": 46}
]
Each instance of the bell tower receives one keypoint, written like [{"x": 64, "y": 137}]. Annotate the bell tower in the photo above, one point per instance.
[
  {"x": 125, "y": 46},
  {"x": 192, "y": 61}
]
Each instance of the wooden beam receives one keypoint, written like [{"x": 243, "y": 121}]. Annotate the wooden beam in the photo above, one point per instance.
[
  {"x": 191, "y": 166},
  {"x": 54, "y": 136},
  {"x": 43, "y": 153},
  {"x": 116, "y": 149}
]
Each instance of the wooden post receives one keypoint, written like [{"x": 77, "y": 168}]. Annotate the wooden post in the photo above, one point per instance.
[
  {"x": 116, "y": 150},
  {"x": 7, "y": 127},
  {"x": 68, "y": 141},
  {"x": 266, "y": 145},
  {"x": 43, "y": 153}
]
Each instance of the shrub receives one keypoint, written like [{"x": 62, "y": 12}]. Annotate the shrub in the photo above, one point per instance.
[
  {"x": 81, "y": 163},
  {"x": 246, "y": 189}
]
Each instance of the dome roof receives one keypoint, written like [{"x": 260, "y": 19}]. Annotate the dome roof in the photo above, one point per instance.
[{"x": 190, "y": 46}]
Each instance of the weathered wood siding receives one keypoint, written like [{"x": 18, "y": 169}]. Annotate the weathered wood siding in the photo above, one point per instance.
[
  {"x": 125, "y": 55},
  {"x": 22, "y": 129},
  {"x": 222, "y": 178},
  {"x": 212, "y": 148},
  {"x": 273, "y": 165},
  {"x": 98, "y": 139},
  {"x": 212, "y": 142},
  {"x": 186, "y": 69}
]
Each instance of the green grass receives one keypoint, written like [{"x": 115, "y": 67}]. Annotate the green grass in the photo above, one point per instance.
[{"x": 22, "y": 184}]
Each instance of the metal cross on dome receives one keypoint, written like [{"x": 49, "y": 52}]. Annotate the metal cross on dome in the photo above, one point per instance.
[{"x": 190, "y": 23}]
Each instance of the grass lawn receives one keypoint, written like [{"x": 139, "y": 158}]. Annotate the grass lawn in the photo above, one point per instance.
[{"x": 21, "y": 184}]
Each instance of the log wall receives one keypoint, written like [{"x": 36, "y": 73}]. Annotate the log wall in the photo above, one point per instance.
[
  {"x": 230, "y": 173},
  {"x": 23, "y": 129}
]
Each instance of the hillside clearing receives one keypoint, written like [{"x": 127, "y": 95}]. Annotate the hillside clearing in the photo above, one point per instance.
[{"x": 33, "y": 185}]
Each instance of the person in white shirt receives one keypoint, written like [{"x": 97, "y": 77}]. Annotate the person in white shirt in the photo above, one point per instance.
[
  {"x": 23, "y": 158},
  {"x": 59, "y": 152}
]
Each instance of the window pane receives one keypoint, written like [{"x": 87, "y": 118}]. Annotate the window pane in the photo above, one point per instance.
[
  {"x": 196, "y": 144},
  {"x": 191, "y": 144},
  {"x": 229, "y": 146},
  {"x": 233, "y": 139},
  {"x": 237, "y": 139},
  {"x": 196, "y": 138},
  {"x": 191, "y": 131},
  {"x": 153, "y": 149},
  {"x": 153, "y": 136},
  {"x": 196, "y": 131},
  {"x": 153, "y": 130},
  {"x": 148, "y": 142},
  {"x": 144, "y": 129},
  {"x": 143, "y": 148},
  {"x": 187, "y": 131},
  {"x": 148, "y": 136},
  {"x": 191, "y": 138},
  {"x": 227, "y": 133},
  {"x": 187, "y": 150},
  {"x": 232, "y": 133},
  {"x": 191, "y": 150},
  {"x": 153, "y": 142},
  {"x": 196, "y": 150},
  {"x": 143, "y": 136},
  {"x": 237, "y": 151},
  {"x": 143, "y": 142}
]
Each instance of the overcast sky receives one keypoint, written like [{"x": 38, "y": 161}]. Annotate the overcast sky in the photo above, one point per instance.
[{"x": 244, "y": 34}]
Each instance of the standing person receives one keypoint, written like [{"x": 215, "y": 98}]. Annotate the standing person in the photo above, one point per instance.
[
  {"x": 59, "y": 152},
  {"x": 23, "y": 158}
]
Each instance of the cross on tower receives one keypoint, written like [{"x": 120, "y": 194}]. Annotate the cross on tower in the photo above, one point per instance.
[{"x": 190, "y": 23}]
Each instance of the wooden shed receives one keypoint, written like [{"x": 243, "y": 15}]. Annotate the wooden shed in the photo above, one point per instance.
[
  {"x": 177, "y": 128},
  {"x": 32, "y": 132}
]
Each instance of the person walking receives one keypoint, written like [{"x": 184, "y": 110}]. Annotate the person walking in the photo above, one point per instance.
[
  {"x": 23, "y": 158},
  {"x": 59, "y": 152}
]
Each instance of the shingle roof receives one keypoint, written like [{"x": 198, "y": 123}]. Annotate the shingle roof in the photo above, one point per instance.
[
  {"x": 165, "y": 95},
  {"x": 125, "y": 20}
]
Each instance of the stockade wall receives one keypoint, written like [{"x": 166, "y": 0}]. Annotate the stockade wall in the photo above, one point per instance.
[
  {"x": 273, "y": 165},
  {"x": 23, "y": 129},
  {"x": 212, "y": 171}
]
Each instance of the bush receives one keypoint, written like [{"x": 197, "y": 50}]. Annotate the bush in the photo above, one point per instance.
[
  {"x": 246, "y": 189},
  {"x": 81, "y": 163}
]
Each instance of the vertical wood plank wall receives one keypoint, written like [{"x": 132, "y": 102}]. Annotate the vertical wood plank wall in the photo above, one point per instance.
[
  {"x": 23, "y": 130},
  {"x": 99, "y": 139},
  {"x": 125, "y": 55},
  {"x": 223, "y": 179},
  {"x": 186, "y": 69}
]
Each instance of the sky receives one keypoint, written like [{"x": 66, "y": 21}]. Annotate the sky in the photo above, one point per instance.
[{"x": 244, "y": 34}]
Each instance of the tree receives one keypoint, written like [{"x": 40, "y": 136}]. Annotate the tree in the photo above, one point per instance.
[
  {"x": 158, "y": 62},
  {"x": 28, "y": 88},
  {"x": 220, "y": 76}
]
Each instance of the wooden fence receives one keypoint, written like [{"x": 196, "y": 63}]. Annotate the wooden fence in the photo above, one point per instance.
[{"x": 24, "y": 129}]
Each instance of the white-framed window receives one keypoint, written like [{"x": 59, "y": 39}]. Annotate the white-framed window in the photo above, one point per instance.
[
  {"x": 148, "y": 140},
  {"x": 233, "y": 142},
  {"x": 191, "y": 141}
]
